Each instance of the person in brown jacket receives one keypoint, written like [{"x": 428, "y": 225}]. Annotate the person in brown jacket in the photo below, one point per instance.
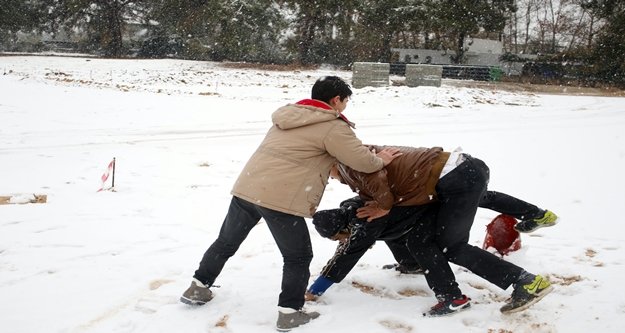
[
  {"x": 283, "y": 182},
  {"x": 456, "y": 182}
]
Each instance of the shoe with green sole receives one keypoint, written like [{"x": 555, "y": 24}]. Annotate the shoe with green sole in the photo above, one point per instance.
[
  {"x": 548, "y": 219},
  {"x": 526, "y": 293}
]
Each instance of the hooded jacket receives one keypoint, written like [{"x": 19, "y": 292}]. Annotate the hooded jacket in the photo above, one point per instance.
[
  {"x": 289, "y": 170},
  {"x": 393, "y": 227},
  {"x": 396, "y": 224},
  {"x": 409, "y": 180}
]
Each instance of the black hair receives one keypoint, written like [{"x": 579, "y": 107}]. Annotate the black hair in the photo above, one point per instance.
[
  {"x": 330, "y": 222},
  {"x": 329, "y": 87}
]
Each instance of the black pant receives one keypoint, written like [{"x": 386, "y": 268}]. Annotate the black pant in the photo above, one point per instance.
[
  {"x": 496, "y": 201},
  {"x": 459, "y": 193},
  {"x": 509, "y": 205},
  {"x": 290, "y": 233}
]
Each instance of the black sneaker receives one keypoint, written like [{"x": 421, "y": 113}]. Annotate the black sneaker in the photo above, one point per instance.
[
  {"x": 404, "y": 269},
  {"x": 197, "y": 294},
  {"x": 288, "y": 321},
  {"x": 548, "y": 219},
  {"x": 526, "y": 293},
  {"x": 447, "y": 307}
]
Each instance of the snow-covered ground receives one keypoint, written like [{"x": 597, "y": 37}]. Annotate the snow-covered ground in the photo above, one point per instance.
[{"x": 180, "y": 131}]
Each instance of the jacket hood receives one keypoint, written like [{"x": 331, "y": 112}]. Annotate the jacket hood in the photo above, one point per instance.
[{"x": 303, "y": 113}]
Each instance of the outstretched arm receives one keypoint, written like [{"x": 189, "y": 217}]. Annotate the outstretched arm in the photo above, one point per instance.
[
  {"x": 346, "y": 256},
  {"x": 342, "y": 143}
]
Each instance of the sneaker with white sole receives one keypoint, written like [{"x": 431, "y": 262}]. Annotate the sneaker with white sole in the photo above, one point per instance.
[
  {"x": 548, "y": 219},
  {"x": 289, "y": 320},
  {"x": 526, "y": 293},
  {"x": 197, "y": 294},
  {"x": 449, "y": 306}
]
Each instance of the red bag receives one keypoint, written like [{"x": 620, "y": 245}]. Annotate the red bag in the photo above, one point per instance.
[{"x": 501, "y": 235}]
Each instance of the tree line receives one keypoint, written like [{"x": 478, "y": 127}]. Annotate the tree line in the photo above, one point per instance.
[{"x": 590, "y": 32}]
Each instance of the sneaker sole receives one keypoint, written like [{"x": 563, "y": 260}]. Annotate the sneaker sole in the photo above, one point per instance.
[
  {"x": 419, "y": 272},
  {"x": 289, "y": 329},
  {"x": 538, "y": 297},
  {"x": 539, "y": 226},
  {"x": 191, "y": 302}
]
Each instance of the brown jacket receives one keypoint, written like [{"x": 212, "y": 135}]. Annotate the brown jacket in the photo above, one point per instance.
[
  {"x": 289, "y": 170},
  {"x": 407, "y": 181}
]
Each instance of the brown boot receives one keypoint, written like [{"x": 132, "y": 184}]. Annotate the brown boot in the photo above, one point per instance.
[
  {"x": 287, "y": 321},
  {"x": 197, "y": 294}
]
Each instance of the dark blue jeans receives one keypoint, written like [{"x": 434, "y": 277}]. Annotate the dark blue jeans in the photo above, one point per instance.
[
  {"x": 459, "y": 193},
  {"x": 290, "y": 233}
]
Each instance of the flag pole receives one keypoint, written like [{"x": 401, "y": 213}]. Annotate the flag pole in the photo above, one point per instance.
[{"x": 113, "y": 180}]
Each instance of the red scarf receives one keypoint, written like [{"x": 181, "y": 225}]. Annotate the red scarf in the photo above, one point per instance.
[{"x": 322, "y": 105}]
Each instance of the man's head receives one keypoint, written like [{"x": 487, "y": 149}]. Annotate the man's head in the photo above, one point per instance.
[
  {"x": 335, "y": 224},
  {"x": 331, "y": 223},
  {"x": 332, "y": 90}
]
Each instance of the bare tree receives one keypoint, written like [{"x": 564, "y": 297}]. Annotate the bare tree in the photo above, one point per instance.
[
  {"x": 104, "y": 21},
  {"x": 530, "y": 7}
]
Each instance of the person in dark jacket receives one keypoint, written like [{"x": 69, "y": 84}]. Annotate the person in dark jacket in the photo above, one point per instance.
[
  {"x": 457, "y": 182},
  {"x": 356, "y": 236}
]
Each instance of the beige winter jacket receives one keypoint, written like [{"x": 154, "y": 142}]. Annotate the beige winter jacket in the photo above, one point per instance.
[{"x": 289, "y": 170}]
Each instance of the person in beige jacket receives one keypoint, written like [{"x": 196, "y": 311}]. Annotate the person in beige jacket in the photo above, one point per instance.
[{"x": 283, "y": 183}]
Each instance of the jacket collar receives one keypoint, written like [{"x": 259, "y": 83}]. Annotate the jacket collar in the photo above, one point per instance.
[
  {"x": 316, "y": 103},
  {"x": 325, "y": 106}
]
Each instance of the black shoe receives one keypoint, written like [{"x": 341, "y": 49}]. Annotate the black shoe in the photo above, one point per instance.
[
  {"x": 526, "y": 293},
  {"x": 447, "y": 307},
  {"x": 404, "y": 269},
  {"x": 548, "y": 219}
]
